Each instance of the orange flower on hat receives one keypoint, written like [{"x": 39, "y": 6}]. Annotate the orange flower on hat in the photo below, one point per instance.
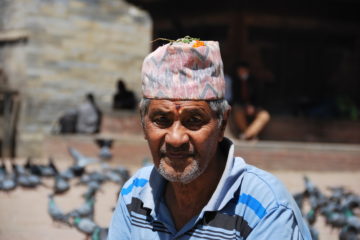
[{"x": 198, "y": 44}]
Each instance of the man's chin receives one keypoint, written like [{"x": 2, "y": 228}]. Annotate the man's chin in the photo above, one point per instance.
[
  {"x": 177, "y": 165},
  {"x": 182, "y": 172}
]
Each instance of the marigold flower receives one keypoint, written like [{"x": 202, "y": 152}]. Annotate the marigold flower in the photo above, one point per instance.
[{"x": 198, "y": 44}]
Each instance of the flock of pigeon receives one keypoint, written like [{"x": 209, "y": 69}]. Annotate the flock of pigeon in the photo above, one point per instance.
[
  {"x": 341, "y": 210},
  {"x": 31, "y": 175}
]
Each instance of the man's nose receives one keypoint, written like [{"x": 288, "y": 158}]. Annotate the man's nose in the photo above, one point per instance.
[{"x": 176, "y": 135}]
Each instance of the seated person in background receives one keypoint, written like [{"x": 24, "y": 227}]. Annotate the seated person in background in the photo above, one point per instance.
[
  {"x": 249, "y": 119},
  {"x": 123, "y": 98},
  {"x": 88, "y": 116}
]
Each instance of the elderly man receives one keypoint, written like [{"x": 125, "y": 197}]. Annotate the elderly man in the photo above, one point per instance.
[{"x": 197, "y": 189}]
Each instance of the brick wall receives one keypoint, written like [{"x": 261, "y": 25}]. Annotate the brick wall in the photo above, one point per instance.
[{"x": 76, "y": 47}]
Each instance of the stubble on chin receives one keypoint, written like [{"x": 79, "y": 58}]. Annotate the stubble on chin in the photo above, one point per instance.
[{"x": 186, "y": 175}]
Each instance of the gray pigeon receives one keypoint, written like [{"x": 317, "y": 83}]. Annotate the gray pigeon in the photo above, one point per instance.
[
  {"x": 61, "y": 185},
  {"x": 93, "y": 176},
  {"x": 114, "y": 177},
  {"x": 85, "y": 225},
  {"x": 84, "y": 211},
  {"x": 79, "y": 159},
  {"x": 55, "y": 213},
  {"x": 123, "y": 172},
  {"x": 67, "y": 174},
  {"x": 354, "y": 222},
  {"x": 25, "y": 178},
  {"x": 93, "y": 187},
  {"x": 2, "y": 171},
  {"x": 100, "y": 233},
  {"x": 9, "y": 180},
  {"x": 111, "y": 172},
  {"x": 32, "y": 168},
  {"x": 105, "y": 148},
  {"x": 48, "y": 170},
  {"x": 2, "y": 174}
]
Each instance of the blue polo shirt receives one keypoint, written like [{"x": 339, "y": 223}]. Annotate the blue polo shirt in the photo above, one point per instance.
[{"x": 248, "y": 203}]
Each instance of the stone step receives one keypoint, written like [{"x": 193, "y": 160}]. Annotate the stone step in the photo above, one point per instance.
[
  {"x": 303, "y": 156},
  {"x": 131, "y": 150}
]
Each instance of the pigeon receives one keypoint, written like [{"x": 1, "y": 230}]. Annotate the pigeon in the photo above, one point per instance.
[
  {"x": 350, "y": 201},
  {"x": 32, "y": 168},
  {"x": 335, "y": 219},
  {"x": 93, "y": 187},
  {"x": 114, "y": 177},
  {"x": 85, "y": 225},
  {"x": 2, "y": 171},
  {"x": 35, "y": 180},
  {"x": 310, "y": 188},
  {"x": 55, "y": 213},
  {"x": 68, "y": 173},
  {"x": 61, "y": 185},
  {"x": 105, "y": 146},
  {"x": 18, "y": 169},
  {"x": 100, "y": 233},
  {"x": 339, "y": 209},
  {"x": 24, "y": 178},
  {"x": 84, "y": 211},
  {"x": 93, "y": 176},
  {"x": 123, "y": 172},
  {"x": 146, "y": 162},
  {"x": 311, "y": 217},
  {"x": 348, "y": 233},
  {"x": 314, "y": 233},
  {"x": 79, "y": 159},
  {"x": 48, "y": 170},
  {"x": 8, "y": 181},
  {"x": 354, "y": 222},
  {"x": 119, "y": 170}
]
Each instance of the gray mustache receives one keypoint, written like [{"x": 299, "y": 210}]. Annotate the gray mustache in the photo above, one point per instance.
[{"x": 185, "y": 148}]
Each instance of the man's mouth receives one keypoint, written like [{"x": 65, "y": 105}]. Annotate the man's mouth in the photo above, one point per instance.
[{"x": 177, "y": 155}]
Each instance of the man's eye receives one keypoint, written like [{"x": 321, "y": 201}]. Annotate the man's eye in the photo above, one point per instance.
[
  {"x": 162, "y": 121},
  {"x": 194, "y": 123},
  {"x": 194, "y": 120}
]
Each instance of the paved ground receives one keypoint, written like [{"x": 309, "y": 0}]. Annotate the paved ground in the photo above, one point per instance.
[{"x": 23, "y": 213}]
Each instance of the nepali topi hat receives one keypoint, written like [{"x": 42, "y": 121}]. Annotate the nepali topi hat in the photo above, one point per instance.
[{"x": 185, "y": 69}]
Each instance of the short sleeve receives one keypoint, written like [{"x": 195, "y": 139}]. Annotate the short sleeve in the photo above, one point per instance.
[
  {"x": 120, "y": 226},
  {"x": 280, "y": 224}
]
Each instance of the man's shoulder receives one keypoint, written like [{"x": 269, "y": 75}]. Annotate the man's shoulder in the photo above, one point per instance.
[
  {"x": 262, "y": 190},
  {"x": 265, "y": 188},
  {"x": 137, "y": 183},
  {"x": 266, "y": 195}
]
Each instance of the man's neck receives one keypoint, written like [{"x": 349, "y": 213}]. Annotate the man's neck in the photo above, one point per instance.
[{"x": 187, "y": 200}]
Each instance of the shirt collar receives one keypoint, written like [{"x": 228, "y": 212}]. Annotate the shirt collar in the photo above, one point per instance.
[{"x": 229, "y": 181}]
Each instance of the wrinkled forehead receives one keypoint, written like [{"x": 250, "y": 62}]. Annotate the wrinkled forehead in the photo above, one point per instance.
[{"x": 178, "y": 105}]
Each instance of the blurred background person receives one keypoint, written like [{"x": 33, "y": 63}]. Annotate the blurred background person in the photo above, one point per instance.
[
  {"x": 248, "y": 117},
  {"x": 89, "y": 116},
  {"x": 123, "y": 98}
]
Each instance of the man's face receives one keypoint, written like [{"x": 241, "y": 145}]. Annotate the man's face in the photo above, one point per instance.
[{"x": 183, "y": 137}]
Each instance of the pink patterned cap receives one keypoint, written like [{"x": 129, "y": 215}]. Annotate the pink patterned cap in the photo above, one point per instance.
[{"x": 184, "y": 71}]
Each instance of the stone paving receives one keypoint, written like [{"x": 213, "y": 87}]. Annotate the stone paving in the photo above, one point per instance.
[{"x": 23, "y": 213}]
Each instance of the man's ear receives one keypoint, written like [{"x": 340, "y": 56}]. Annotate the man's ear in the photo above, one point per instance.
[{"x": 224, "y": 124}]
